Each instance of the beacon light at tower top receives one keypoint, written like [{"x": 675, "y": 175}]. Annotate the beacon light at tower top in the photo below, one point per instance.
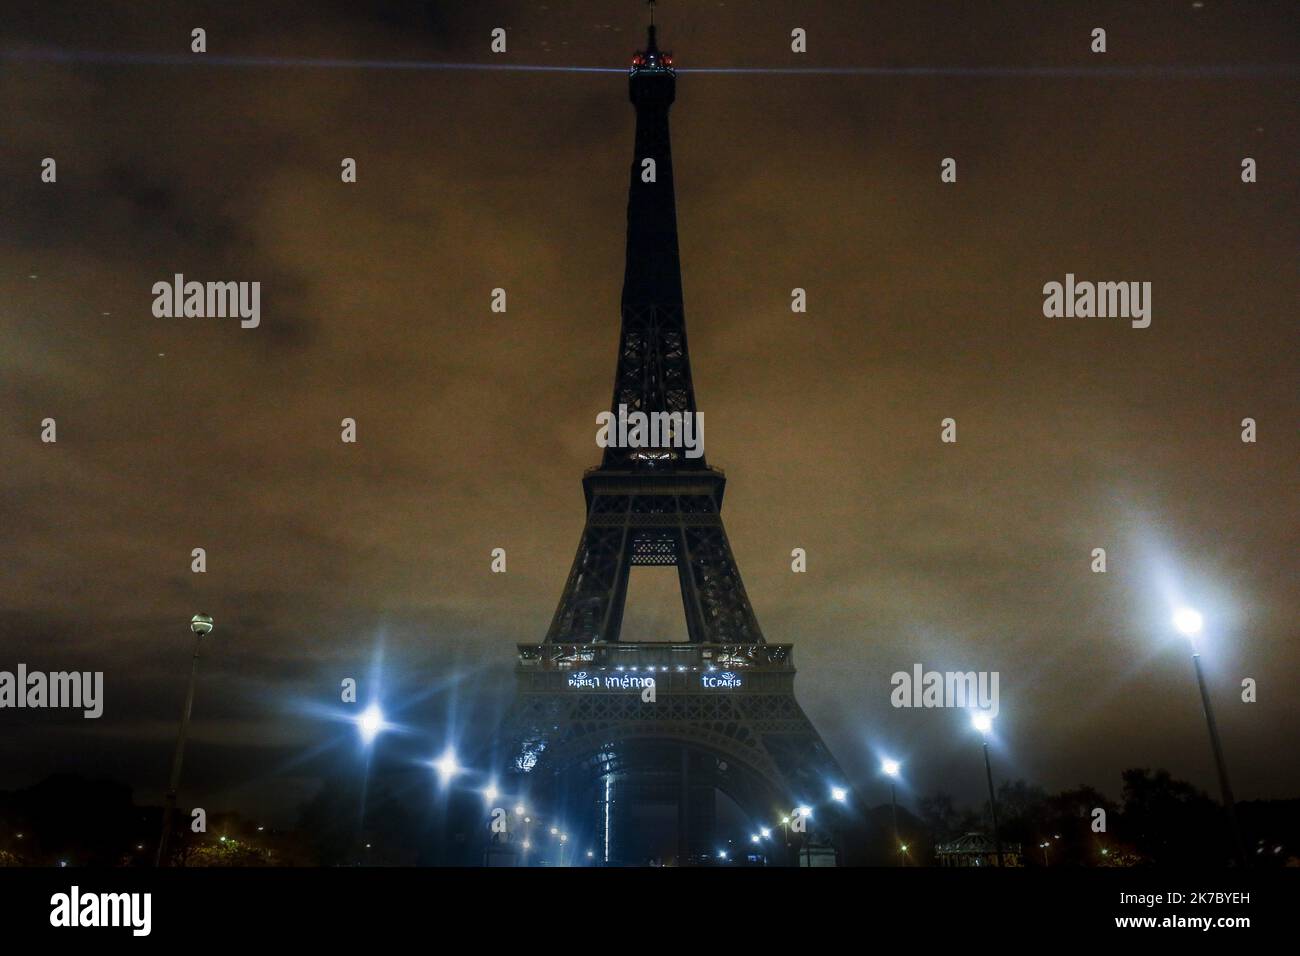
[{"x": 652, "y": 61}]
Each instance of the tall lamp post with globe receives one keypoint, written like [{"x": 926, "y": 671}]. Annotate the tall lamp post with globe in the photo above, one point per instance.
[
  {"x": 891, "y": 768},
  {"x": 200, "y": 627},
  {"x": 983, "y": 722},
  {"x": 1189, "y": 623}
]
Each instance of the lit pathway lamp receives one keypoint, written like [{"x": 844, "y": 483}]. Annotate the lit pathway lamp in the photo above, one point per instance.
[
  {"x": 370, "y": 723},
  {"x": 804, "y": 813},
  {"x": 200, "y": 625},
  {"x": 982, "y": 722},
  {"x": 490, "y": 794},
  {"x": 1189, "y": 623},
  {"x": 891, "y": 768},
  {"x": 447, "y": 767},
  {"x": 839, "y": 795}
]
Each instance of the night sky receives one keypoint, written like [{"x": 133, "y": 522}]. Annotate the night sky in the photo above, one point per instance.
[{"x": 925, "y": 302}]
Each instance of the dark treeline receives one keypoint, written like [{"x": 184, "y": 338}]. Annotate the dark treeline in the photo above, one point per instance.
[{"x": 1158, "y": 821}]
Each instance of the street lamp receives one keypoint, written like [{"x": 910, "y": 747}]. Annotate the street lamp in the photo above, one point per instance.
[
  {"x": 200, "y": 626},
  {"x": 370, "y": 723},
  {"x": 446, "y": 766},
  {"x": 891, "y": 768},
  {"x": 983, "y": 722},
  {"x": 804, "y": 813},
  {"x": 1189, "y": 622}
]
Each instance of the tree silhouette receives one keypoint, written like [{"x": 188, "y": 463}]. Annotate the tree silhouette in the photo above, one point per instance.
[{"x": 1170, "y": 822}]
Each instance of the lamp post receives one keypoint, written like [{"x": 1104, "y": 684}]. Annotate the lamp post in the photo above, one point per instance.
[
  {"x": 200, "y": 625},
  {"x": 839, "y": 795},
  {"x": 804, "y": 813},
  {"x": 447, "y": 767},
  {"x": 890, "y": 768},
  {"x": 984, "y": 724},
  {"x": 490, "y": 794},
  {"x": 1189, "y": 622}
]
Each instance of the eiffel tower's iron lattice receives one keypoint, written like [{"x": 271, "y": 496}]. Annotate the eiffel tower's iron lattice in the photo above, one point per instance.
[{"x": 588, "y": 732}]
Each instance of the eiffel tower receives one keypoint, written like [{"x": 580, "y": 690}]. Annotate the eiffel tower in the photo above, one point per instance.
[{"x": 611, "y": 735}]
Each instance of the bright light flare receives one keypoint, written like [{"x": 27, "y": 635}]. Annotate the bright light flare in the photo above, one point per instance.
[
  {"x": 890, "y": 768},
  {"x": 1188, "y": 621},
  {"x": 981, "y": 721},
  {"x": 447, "y": 766},
  {"x": 839, "y": 794},
  {"x": 370, "y": 723}
]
